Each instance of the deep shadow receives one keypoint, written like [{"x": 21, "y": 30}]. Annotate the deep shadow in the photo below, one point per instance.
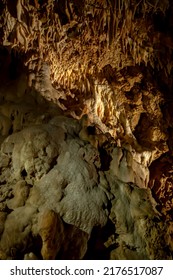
[
  {"x": 105, "y": 159},
  {"x": 96, "y": 248}
]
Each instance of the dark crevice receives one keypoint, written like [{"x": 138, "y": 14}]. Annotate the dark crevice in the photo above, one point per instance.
[
  {"x": 23, "y": 173},
  {"x": 105, "y": 159},
  {"x": 53, "y": 163},
  {"x": 59, "y": 8},
  {"x": 35, "y": 246},
  {"x": 96, "y": 248},
  {"x": 7, "y": 210},
  {"x": 11, "y": 130}
]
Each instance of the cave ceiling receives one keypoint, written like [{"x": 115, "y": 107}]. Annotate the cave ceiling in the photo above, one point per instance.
[
  {"x": 91, "y": 49},
  {"x": 102, "y": 58}
]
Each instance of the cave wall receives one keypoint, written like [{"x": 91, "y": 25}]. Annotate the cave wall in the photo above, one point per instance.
[{"x": 86, "y": 129}]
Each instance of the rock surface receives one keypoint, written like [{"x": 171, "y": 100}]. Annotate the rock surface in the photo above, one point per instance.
[{"x": 86, "y": 130}]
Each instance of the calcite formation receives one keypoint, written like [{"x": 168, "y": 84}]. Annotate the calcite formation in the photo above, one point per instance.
[{"x": 86, "y": 129}]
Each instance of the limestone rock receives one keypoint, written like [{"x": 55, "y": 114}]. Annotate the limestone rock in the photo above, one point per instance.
[
  {"x": 20, "y": 192},
  {"x": 86, "y": 134},
  {"x": 3, "y": 216},
  {"x": 51, "y": 232},
  {"x": 30, "y": 256},
  {"x": 16, "y": 234}
]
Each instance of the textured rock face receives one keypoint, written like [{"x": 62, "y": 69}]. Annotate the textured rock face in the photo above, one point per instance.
[{"x": 86, "y": 130}]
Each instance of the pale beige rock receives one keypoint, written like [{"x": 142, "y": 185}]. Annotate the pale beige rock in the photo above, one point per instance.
[
  {"x": 20, "y": 192},
  {"x": 30, "y": 256},
  {"x": 135, "y": 222},
  {"x": 111, "y": 61},
  {"x": 129, "y": 167},
  {"x": 4, "y": 160}
]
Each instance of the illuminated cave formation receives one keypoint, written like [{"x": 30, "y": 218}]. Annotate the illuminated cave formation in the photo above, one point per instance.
[{"x": 86, "y": 129}]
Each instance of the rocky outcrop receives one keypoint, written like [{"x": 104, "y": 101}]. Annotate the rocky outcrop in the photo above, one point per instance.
[
  {"x": 86, "y": 129},
  {"x": 56, "y": 186}
]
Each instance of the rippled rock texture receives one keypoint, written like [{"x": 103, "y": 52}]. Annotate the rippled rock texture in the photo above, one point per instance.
[{"x": 86, "y": 129}]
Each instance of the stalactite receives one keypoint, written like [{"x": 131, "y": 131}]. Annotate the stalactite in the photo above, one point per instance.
[{"x": 19, "y": 9}]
